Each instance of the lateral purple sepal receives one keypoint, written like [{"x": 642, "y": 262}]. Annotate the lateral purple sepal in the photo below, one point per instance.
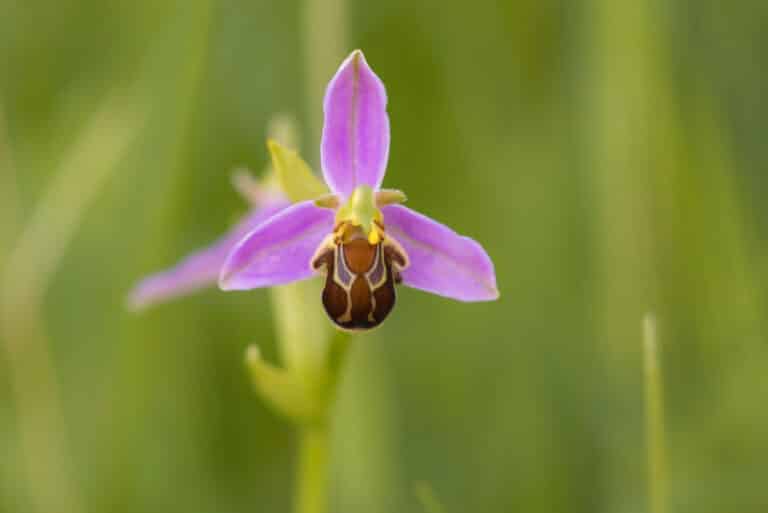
[
  {"x": 441, "y": 261},
  {"x": 278, "y": 251},
  {"x": 200, "y": 269}
]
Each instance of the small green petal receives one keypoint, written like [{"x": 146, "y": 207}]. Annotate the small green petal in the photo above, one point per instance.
[
  {"x": 294, "y": 175},
  {"x": 328, "y": 201},
  {"x": 389, "y": 197}
]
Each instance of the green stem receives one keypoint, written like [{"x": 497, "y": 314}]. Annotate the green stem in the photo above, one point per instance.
[
  {"x": 312, "y": 478},
  {"x": 654, "y": 414}
]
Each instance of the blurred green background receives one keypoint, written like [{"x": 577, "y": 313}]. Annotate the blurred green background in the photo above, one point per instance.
[{"x": 609, "y": 154}]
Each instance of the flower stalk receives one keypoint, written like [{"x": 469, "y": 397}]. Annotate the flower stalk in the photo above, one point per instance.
[
  {"x": 312, "y": 470},
  {"x": 348, "y": 231},
  {"x": 311, "y": 351}
]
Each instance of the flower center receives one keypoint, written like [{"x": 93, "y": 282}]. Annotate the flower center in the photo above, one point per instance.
[{"x": 360, "y": 211}]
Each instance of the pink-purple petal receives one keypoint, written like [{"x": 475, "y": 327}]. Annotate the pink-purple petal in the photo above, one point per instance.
[
  {"x": 200, "y": 269},
  {"x": 279, "y": 250},
  {"x": 441, "y": 261},
  {"x": 355, "y": 143}
]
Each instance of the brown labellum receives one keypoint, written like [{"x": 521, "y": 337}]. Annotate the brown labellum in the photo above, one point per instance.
[{"x": 360, "y": 281}]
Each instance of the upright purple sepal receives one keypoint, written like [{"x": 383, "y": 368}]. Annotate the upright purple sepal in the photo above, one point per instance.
[
  {"x": 200, "y": 269},
  {"x": 441, "y": 261},
  {"x": 355, "y": 145},
  {"x": 279, "y": 250}
]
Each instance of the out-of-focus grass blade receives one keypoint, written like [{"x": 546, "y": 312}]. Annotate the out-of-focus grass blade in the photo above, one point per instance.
[{"x": 654, "y": 416}]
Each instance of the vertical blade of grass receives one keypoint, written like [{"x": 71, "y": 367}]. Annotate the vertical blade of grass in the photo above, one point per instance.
[
  {"x": 635, "y": 144},
  {"x": 654, "y": 416},
  {"x": 623, "y": 95}
]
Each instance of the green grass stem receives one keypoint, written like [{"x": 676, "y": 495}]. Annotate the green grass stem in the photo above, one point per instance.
[{"x": 654, "y": 414}]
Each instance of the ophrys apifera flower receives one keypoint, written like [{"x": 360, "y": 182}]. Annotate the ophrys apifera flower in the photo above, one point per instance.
[{"x": 358, "y": 236}]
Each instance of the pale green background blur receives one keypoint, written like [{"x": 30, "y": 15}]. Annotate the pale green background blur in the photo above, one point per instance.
[{"x": 610, "y": 155}]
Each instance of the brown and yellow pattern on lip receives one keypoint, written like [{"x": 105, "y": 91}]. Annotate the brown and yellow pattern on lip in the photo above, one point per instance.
[{"x": 360, "y": 277}]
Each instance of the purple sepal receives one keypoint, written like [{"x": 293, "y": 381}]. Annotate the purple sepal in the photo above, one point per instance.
[
  {"x": 201, "y": 268},
  {"x": 278, "y": 251},
  {"x": 441, "y": 261}
]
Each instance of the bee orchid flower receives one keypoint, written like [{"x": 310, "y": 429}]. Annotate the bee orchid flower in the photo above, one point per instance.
[
  {"x": 359, "y": 236},
  {"x": 354, "y": 233}
]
